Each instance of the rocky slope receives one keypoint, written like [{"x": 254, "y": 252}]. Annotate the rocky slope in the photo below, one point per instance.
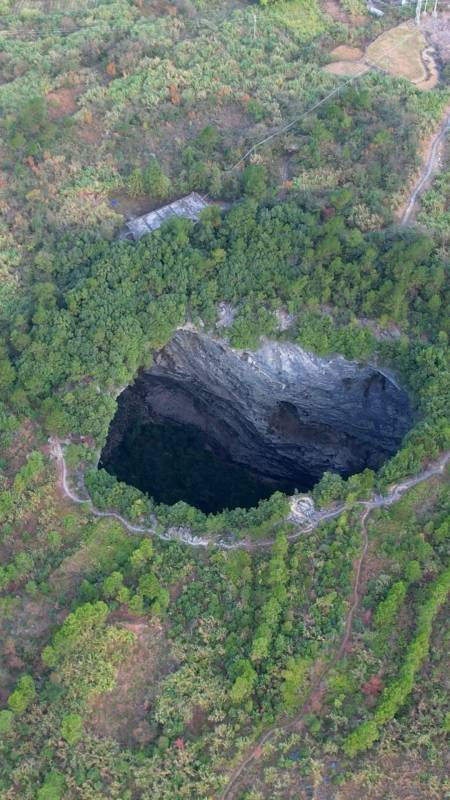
[{"x": 284, "y": 413}]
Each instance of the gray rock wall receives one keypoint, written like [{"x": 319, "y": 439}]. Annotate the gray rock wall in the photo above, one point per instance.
[{"x": 281, "y": 411}]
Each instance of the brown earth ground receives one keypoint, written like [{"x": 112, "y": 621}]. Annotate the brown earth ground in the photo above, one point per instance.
[
  {"x": 62, "y": 102},
  {"x": 335, "y": 10},
  {"x": 121, "y": 714},
  {"x": 398, "y": 51},
  {"x": 67, "y": 576},
  {"x": 402, "y": 51},
  {"x": 437, "y": 31},
  {"x": 342, "y": 51},
  {"x": 347, "y": 69}
]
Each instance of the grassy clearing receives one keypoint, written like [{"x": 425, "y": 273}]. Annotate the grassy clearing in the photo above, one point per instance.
[
  {"x": 398, "y": 51},
  {"x": 342, "y": 51},
  {"x": 304, "y": 17},
  {"x": 346, "y": 69}
]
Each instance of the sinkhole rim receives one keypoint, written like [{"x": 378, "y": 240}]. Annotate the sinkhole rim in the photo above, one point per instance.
[{"x": 375, "y": 372}]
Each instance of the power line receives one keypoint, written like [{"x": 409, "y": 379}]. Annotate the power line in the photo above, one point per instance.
[{"x": 316, "y": 105}]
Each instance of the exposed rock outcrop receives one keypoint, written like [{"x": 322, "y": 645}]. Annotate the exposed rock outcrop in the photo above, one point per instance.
[{"x": 284, "y": 413}]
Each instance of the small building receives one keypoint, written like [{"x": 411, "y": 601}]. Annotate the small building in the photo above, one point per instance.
[{"x": 189, "y": 206}]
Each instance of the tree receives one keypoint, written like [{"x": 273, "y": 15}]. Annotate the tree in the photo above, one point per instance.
[
  {"x": 156, "y": 183},
  {"x": 23, "y": 695},
  {"x": 80, "y": 624},
  {"x": 243, "y": 685},
  {"x": 72, "y": 728},
  {"x": 208, "y": 139},
  {"x": 413, "y": 571},
  {"x": 331, "y": 487},
  {"x": 52, "y": 788},
  {"x": 136, "y": 185},
  {"x": 141, "y": 556},
  {"x": 261, "y": 642},
  {"x": 7, "y": 371},
  {"x": 295, "y": 678},
  {"x": 112, "y": 584},
  {"x": 6, "y": 720},
  {"x": 149, "y": 586},
  {"x": 254, "y": 180},
  {"x": 362, "y": 738},
  {"x": 388, "y": 609}
]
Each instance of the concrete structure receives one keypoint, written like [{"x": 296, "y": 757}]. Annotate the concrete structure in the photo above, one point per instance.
[{"x": 189, "y": 206}]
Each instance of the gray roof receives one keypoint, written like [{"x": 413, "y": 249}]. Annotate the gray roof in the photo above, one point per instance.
[{"x": 189, "y": 206}]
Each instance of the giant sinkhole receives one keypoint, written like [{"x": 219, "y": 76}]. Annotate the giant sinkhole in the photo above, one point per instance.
[{"x": 221, "y": 428}]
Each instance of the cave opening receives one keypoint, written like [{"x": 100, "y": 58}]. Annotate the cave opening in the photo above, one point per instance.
[{"x": 220, "y": 428}]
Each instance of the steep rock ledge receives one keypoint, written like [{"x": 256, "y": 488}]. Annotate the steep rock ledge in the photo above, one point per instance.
[{"x": 284, "y": 414}]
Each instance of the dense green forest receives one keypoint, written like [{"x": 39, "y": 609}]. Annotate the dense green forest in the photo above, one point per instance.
[{"x": 137, "y": 668}]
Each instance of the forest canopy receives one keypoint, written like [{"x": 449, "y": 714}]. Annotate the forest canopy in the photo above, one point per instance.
[{"x": 134, "y": 665}]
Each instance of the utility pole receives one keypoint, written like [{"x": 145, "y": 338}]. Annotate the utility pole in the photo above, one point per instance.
[{"x": 435, "y": 8}]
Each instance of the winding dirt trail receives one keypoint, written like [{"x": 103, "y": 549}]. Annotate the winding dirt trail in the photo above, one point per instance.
[
  {"x": 378, "y": 501},
  {"x": 319, "y": 685},
  {"x": 428, "y": 168},
  {"x": 357, "y": 594}
]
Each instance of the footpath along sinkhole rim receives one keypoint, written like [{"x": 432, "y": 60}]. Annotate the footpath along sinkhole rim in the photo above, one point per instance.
[
  {"x": 395, "y": 493},
  {"x": 271, "y": 419}
]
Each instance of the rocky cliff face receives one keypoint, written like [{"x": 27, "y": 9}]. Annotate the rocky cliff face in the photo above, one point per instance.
[{"x": 283, "y": 413}]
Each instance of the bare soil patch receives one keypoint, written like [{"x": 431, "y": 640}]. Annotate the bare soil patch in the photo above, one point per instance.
[
  {"x": 79, "y": 564},
  {"x": 398, "y": 776},
  {"x": 62, "y": 102},
  {"x": 343, "y": 52},
  {"x": 90, "y": 132},
  {"x": 122, "y": 714},
  {"x": 131, "y": 207},
  {"x": 398, "y": 51},
  {"x": 23, "y": 442},
  {"x": 335, "y": 10},
  {"x": 402, "y": 51},
  {"x": 432, "y": 70},
  {"x": 22, "y": 636},
  {"x": 68, "y": 575},
  {"x": 347, "y": 68}
]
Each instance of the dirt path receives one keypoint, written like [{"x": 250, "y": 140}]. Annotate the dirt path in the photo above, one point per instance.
[
  {"x": 356, "y": 595},
  {"x": 318, "y": 688},
  {"x": 429, "y": 167},
  {"x": 378, "y": 501}
]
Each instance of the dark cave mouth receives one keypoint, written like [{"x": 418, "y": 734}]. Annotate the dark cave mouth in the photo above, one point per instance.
[
  {"x": 205, "y": 426},
  {"x": 172, "y": 462}
]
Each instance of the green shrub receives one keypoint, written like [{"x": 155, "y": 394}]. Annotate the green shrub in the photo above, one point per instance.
[
  {"x": 52, "y": 788},
  {"x": 72, "y": 728},
  {"x": 23, "y": 695},
  {"x": 6, "y": 721},
  {"x": 395, "y": 694}
]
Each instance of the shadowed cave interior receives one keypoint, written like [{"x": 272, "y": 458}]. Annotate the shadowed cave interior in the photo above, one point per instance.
[{"x": 220, "y": 428}]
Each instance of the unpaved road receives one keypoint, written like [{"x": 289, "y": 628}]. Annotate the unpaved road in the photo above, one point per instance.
[{"x": 430, "y": 166}]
